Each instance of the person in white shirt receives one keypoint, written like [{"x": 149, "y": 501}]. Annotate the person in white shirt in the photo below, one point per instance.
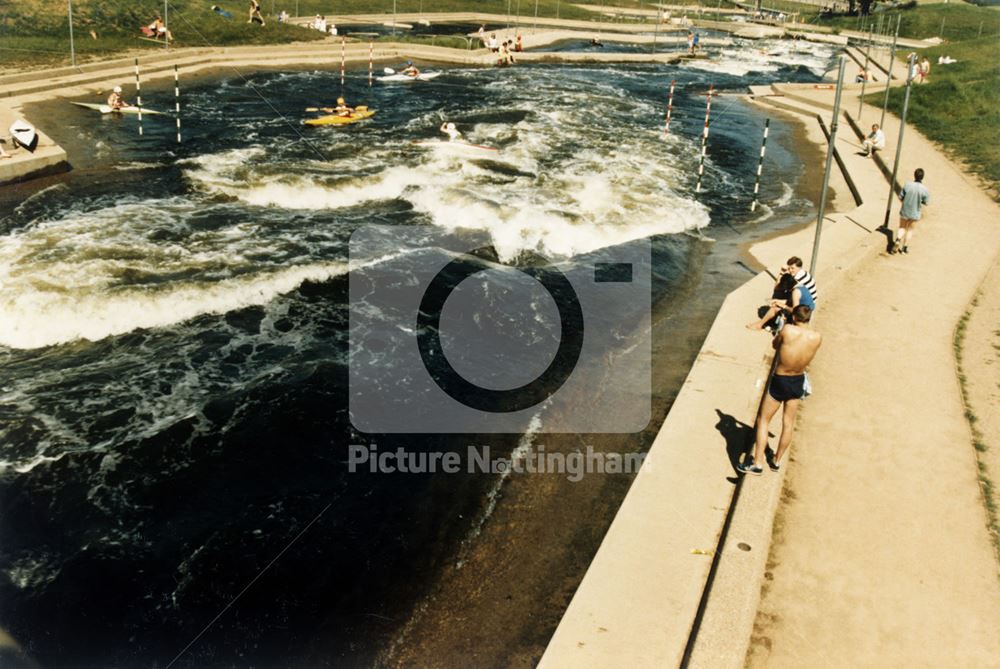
[
  {"x": 493, "y": 44},
  {"x": 333, "y": 29},
  {"x": 875, "y": 141}
]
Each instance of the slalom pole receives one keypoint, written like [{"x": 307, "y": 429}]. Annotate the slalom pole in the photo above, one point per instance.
[
  {"x": 704, "y": 138},
  {"x": 138, "y": 94},
  {"x": 371, "y": 61},
  {"x": 177, "y": 102},
  {"x": 343, "y": 57},
  {"x": 670, "y": 107},
  {"x": 760, "y": 165}
]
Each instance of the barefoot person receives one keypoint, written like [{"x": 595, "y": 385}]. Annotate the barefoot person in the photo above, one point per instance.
[
  {"x": 796, "y": 345},
  {"x": 786, "y": 297},
  {"x": 255, "y": 15},
  {"x": 914, "y": 195}
]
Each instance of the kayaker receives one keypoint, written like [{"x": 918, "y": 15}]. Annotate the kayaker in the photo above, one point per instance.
[
  {"x": 449, "y": 129},
  {"x": 411, "y": 70},
  {"x": 115, "y": 100},
  {"x": 342, "y": 109}
]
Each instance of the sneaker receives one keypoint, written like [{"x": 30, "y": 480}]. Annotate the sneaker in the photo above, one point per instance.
[
  {"x": 896, "y": 248},
  {"x": 775, "y": 467},
  {"x": 749, "y": 468},
  {"x": 906, "y": 249}
]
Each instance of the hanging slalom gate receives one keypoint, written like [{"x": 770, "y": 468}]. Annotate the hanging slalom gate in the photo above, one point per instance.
[
  {"x": 343, "y": 59},
  {"x": 670, "y": 107},
  {"x": 138, "y": 94},
  {"x": 177, "y": 102},
  {"x": 704, "y": 138},
  {"x": 371, "y": 62},
  {"x": 760, "y": 165}
]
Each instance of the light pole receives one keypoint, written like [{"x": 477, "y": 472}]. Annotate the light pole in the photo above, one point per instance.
[
  {"x": 166, "y": 27},
  {"x": 888, "y": 81},
  {"x": 829, "y": 163},
  {"x": 910, "y": 62},
  {"x": 864, "y": 79},
  {"x": 534, "y": 28},
  {"x": 72, "y": 47}
]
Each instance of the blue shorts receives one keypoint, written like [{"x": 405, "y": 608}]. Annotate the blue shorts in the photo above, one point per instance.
[{"x": 784, "y": 388}]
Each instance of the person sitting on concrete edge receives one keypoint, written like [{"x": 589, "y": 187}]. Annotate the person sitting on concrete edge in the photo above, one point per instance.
[
  {"x": 874, "y": 142},
  {"x": 787, "y": 295},
  {"x": 796, "y": 345}
]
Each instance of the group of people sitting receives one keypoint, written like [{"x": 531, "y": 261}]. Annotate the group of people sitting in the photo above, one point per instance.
[
  {"x": 319, "y": 23},
  {"x": 791, "y": 308},
  {"x": 504, "y": 50},
  {"x": 157, "y": 30},
  {"x": 794, "y": 286}
]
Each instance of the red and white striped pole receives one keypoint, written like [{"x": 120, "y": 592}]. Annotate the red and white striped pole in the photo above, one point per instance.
[
  {"x": 343, "y": 58},
  {"x": 138, "y": 94},
  {"x": 760, "y": 166},
  {"x": 704, "y": 138},
  {"x": 371, "y": 59},
  {"x": 670, "y": 107}
]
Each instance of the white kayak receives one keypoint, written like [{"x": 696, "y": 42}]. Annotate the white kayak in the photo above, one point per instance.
[
  {"x": 105, "y": 109},
  {"x": 424, "y": 76},
  {"x": 458, "y": 147},
  {"x": 24, "y": 134}
]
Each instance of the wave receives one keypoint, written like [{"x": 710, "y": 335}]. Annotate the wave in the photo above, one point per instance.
[{"x": 38, "y": 316}]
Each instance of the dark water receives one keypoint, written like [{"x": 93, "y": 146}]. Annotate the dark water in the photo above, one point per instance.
[{"x": 173, "y": 338}]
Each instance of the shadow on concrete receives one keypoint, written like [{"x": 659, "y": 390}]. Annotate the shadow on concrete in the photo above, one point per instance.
[
  {"x": 888, "y": 234},
  {"x": 739, "y": 441}
]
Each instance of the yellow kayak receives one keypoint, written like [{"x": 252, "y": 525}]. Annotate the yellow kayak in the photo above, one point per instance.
[{"x": 333, "y": 119}]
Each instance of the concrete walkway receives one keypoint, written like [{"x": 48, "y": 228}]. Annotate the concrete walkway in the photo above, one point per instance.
[{"x": 881, "y": 554}]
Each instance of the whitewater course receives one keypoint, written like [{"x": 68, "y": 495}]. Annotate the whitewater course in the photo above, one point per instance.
[{"x": 174, "y": 322}]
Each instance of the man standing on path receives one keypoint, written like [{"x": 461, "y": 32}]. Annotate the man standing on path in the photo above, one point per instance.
[
  {"x": 796, "y": 345},
  {"x": 914, "y": 195}
]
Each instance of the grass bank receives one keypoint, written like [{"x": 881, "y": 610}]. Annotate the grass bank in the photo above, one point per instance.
[{"x": 35, "y": 33}]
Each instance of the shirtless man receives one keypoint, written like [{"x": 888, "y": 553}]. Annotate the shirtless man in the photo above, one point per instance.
[{"x": 796, "y": 345}]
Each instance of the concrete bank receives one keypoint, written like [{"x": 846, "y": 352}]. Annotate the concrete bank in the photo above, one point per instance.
[{"x": 657, "y": 594}]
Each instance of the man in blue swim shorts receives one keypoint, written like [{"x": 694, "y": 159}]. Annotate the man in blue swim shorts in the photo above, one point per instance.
[{"x": 796, "y": 345}]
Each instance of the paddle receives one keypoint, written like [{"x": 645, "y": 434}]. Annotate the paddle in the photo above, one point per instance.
[
  {"x": 330, "y": 110},
  {"x": 389, "y": 70}
]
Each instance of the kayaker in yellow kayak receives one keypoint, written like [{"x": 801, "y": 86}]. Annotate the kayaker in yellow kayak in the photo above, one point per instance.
[{"x": 342, "y": 109}]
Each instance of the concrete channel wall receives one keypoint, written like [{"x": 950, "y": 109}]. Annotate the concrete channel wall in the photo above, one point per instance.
[{"x": 676, "y": 580}]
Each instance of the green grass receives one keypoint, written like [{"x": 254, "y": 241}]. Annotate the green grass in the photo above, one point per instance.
[
  {"x": 35, "y": 33},
  {"x": 978, "y": 439},
  {"x": 960, "y": 106},
  {"x": 960, "y": 21}
]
